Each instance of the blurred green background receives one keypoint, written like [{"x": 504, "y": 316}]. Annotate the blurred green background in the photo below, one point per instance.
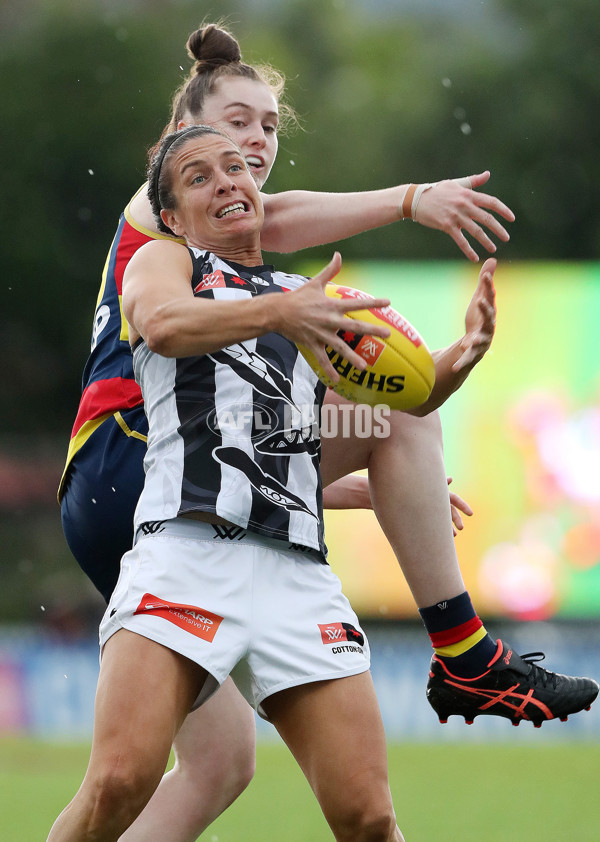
[{"x": 387, "y": 92}]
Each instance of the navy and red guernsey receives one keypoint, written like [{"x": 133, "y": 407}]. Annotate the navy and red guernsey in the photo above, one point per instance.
[{"x": 108, "y": 386}]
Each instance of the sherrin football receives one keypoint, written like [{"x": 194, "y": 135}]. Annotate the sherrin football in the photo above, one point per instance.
[{"x": 400, "y": 370}]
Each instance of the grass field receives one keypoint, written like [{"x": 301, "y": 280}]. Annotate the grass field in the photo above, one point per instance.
[{"x": 442, "y": 793}]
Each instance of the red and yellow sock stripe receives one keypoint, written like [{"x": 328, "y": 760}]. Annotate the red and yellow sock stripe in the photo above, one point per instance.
[{"x": 458, "y": 640}]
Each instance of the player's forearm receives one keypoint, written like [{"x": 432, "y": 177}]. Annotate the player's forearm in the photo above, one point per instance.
[
  {"x": 349, "y": 492},
  {"x": 300, "y": 219},
  {"x": 447, "y": 381},
  {"x": 184, "y": 328}
]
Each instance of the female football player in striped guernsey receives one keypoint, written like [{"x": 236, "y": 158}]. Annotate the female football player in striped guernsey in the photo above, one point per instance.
[
  {"x": 187, "y": 609},
  {"x": 104, "y": 472}
]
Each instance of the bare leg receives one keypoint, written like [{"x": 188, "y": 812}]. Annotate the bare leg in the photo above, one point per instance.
[
  {"x": 334, "y": 730},
  {"x": 215, "y": 760},
  {"x": 144, "y": 693},
  {"x": 407, "y": 479}
]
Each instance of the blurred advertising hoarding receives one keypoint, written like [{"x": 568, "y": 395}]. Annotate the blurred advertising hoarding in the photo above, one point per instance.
[{"x": 521, "y": 438}]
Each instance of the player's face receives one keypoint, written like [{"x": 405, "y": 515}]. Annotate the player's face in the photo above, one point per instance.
[
  {"x": 218, "y": 203},
  {"x": 247, "y": 111}
]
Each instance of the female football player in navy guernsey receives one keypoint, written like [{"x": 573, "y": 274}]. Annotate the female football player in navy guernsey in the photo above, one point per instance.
[{"x": 104, "y": 473}]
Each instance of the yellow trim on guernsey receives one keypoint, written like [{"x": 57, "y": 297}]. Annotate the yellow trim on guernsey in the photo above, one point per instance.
[
  {"x": 83, "y": 434},
  {"x": 78, "y": 440},
  {"x": 462, "y": 646},
  {"x": 128, "y": 432},
  {"x": 155, "y": 235},
  {"x": 124, "y": 335}
]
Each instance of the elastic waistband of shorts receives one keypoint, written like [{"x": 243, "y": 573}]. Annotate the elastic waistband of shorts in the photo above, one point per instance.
[{"x": 190, "y": 529}]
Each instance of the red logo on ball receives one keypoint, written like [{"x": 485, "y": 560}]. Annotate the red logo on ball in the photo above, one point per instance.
[{"x": 370, "y": 349}]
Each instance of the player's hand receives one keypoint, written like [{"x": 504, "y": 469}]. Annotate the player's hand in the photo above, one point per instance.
[
  {"x": 458, "y": 505},
  {"x": 455, "y": 205},
  {"x": 480, "y": 319},
  {"x": 310, "y": 318}
]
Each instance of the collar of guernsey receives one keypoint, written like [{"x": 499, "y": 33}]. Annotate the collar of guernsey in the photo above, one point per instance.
[{"x": 108, "y": 384}]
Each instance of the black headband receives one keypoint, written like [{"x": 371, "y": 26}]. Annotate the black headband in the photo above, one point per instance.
[{"x": 168, "y": 143}]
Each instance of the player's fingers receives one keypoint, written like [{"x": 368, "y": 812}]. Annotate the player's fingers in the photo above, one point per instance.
[
  {"x": 489, "y": 267},
  {"x": 477, "y": 232},
  {"x": 347, "y": 353},
  {"x": 330, "y": 271},
  {"x": 460, "y": 504},
  {"x": 464, "y": 245},
  {"x": 488, "y": 311},
  {"x": 347, "y": 305},
  {"x": 485, "y": 282},
  {"x": 456, "y": 518},
  {"x": 473, "y": 181},
  {"x": 490, "y": 222},
  {"x": 465, "y": 181},
  {"x": 491, "y": 203},
  {"x": 325, "y": 363},
  {"x": 356, "y": 326}
]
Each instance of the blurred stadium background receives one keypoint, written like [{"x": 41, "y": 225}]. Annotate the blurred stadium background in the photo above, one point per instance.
[{"x": 387, "y": 92}]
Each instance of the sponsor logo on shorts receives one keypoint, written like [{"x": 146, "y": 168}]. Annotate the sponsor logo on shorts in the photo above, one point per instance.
[
  {"x": 228, "y": 533},
  {"x": 190, "y": 618},
  {"x": 151, "y": 527},
  {"x": 338, "y": 632}
]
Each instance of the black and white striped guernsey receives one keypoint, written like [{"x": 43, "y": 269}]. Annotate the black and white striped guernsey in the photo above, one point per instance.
[{"x": 235, "y": 432}]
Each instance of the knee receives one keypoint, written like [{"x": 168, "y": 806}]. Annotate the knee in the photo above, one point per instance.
[
  {"x": 116, "y": 797},
  {"x": 230, "y": 772},
  {"x": 369, "y": 826},
  {"x": 235, "y": 768},
  {"x": 379, "y": 827},
  {"x": 370, "y": 823},
  {"x": 224, "y": 756}
]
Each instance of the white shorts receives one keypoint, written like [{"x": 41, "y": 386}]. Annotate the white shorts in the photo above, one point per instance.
[{"x": 226, "y": 598}]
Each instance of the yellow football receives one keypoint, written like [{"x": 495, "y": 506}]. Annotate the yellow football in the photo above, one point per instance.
[{"x": 400, "y": 370}]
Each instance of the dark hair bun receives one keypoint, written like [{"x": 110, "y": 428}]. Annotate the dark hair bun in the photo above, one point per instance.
[{"x": 212, "y": 46}]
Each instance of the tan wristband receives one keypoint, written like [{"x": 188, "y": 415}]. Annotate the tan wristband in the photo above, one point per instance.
[{"x": 407, "y": 201}]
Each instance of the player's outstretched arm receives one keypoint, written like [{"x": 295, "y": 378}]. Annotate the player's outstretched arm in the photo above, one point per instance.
[
  {"x": 299, "y": 219},
  {"x": 160, "y": 306},
  {"x": 453, "y": 364}
]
